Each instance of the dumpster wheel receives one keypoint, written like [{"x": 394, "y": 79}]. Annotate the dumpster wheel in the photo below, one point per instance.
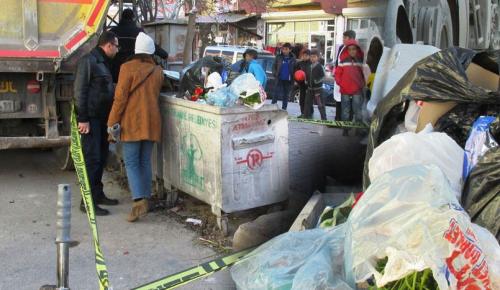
[{"x": 223, "y": 224}]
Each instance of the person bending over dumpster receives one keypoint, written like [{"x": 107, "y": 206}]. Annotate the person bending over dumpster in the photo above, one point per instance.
[
  {"x": 136, "y": 109},
  {"x": 94, "y": 91},
  {"x": 315, "y": 75},
  {"x": 250, "y": 65},
  {"x": 350, "y": 77},
  {"x": 283, "y": 72}
]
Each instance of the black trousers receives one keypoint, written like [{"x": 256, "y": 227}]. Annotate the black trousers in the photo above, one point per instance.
[
  {"x": 314, "y": 95},
  {"x": 302, "y": 98},
  {"x": 95, "y": 147}
]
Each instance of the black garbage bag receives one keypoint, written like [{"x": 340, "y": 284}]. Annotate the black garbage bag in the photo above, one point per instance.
[
  {"x": 458, "y": 122},
  {"x": 440, "y": 77},
  {"x": 191, "y": 75},
  {"x": 481, "y": 194}
]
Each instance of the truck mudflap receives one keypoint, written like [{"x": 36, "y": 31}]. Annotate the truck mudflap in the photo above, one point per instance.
[{"x": 33, "y": 142}]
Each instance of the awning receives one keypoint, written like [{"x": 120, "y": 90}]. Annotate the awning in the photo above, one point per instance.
[
  {"x": 223, "y": 18},
  {"x": 307, "y": 15}
]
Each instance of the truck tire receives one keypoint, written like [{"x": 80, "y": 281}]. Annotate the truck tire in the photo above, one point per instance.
[
  {"x": 62, "y": 154},
  {"x": 63, "y": 158},
  {"x": 444, "y": 33}
]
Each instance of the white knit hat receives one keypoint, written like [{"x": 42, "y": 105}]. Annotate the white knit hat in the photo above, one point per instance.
[{"x": 144, "y": 44}]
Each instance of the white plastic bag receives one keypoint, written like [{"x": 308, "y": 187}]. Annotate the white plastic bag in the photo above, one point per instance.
[
  {"x": 411, "y": 216},
  {"x": 422, "y": 148},
  {"x": 249, "y": 90}
]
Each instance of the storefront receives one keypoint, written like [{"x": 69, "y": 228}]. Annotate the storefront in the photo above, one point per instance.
[{"x": 314, "y": 29}]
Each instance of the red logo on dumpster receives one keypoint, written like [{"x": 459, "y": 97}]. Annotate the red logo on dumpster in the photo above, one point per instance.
[{"x": 255, "y": 158}]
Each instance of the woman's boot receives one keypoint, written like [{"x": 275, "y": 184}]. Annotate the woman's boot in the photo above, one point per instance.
[{"x": 139, "y": 209}]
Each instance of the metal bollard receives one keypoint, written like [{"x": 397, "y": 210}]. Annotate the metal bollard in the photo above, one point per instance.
[{"x": 63, "y": 229}]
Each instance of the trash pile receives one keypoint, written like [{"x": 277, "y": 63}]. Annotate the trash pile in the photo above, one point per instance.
[
  {"x": 211, "y": 81},
  {"x": 430, "y": 214}
]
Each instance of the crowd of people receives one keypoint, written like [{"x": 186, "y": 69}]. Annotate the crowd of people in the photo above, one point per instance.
[
  {"x": 116, "y": 89},
  {"x": 118, "y": 83},
  {"x": 307, "y": 73}
]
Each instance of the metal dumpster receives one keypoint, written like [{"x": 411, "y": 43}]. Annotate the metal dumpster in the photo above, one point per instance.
[{"x": 231, "y": 158}]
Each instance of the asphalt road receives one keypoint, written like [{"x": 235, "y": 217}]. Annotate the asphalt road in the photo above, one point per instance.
[{"x": 135, "y": 253}]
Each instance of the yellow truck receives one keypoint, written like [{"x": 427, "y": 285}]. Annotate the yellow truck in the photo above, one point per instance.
[{"x": 40, "y": 44}]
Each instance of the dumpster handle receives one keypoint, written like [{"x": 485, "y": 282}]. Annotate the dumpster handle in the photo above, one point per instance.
[{"x": 250, "y": 141}]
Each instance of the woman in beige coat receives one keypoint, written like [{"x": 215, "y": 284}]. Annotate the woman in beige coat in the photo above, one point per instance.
[{"x": 136, "y": 109}]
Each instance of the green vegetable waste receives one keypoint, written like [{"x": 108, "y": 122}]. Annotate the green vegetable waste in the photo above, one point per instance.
[
  {"x": 252, "y": 99},
  {"x": 422, "y": 280}
]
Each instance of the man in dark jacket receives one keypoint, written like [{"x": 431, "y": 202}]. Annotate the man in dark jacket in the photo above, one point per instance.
[
  {"x": 127, "y": 31},
  {"x": 303, "y": 65},
  {"x": 283, "y": 73},
  {"x": 315, "y": 75},
  {"x": 94, "y": 91}
]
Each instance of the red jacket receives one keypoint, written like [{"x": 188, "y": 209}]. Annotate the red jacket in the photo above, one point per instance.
[{"x": 349, "y": 72}]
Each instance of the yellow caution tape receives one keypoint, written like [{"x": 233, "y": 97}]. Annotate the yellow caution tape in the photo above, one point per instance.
[
  {"x": 169, "y": 282},
  {"x": 194, "y": 273},
  {"x": 331, "y": 123},
  {"x": 83, "y": 180}
]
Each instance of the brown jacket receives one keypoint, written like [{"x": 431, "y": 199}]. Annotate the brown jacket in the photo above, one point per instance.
[{"x": 138, "y": 113}]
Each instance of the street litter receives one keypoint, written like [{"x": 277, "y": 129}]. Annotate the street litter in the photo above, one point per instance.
[
  {"x": 193, "y": 221},
  {"x": 409, "y": 223},
  {"x": 206, "y": 82},
  {"x": 421, "y": 148},
  {"x": 429, "y": 216}
]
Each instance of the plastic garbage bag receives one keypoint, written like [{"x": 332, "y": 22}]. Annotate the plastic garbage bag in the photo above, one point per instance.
[
  {"x": 338, "y": 215},
  {"x": 481, "y": 196},
  {"x": 249, "y": 90},
  {"x": 222, "y": 97},
  {"x": 411, "y": 216},
  {"x": 479, "y": 142},
  {"x": 420, "y": 148},
  {"x": 439, "y": 77},
  {"x": 310, "y": 259}
]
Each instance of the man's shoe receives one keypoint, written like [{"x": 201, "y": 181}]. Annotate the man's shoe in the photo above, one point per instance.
[
  {"x": 103, "y": 200},
  {"x": 99, "y": 211}
]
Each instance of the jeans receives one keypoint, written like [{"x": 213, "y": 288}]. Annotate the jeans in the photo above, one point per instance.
[
  {"x": 95, "y": 149},
  {"x": 314, "y": 94},
  {"x": 352, "y": 104},
  {"x": 137, "y": 157},
  {"x": 283, "y": 89}
]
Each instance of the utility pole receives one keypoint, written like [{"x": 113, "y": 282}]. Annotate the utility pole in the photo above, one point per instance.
[{"x": 188, "y": 45}]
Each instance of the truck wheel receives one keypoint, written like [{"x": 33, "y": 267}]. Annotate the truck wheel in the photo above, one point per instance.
[
  {"x": 63, "y": 154},
  {"x": 63, "y": 158}
]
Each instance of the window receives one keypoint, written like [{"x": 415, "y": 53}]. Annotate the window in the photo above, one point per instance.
[
  {"x": 210, "y": 52},
  {"x": 228, "y": 56},
  {"x": 302, "y": 26},
  {"x": 239, "y": 56},
  {"x": 315, "y": 26},
  {"x": 363, "y": 24}
]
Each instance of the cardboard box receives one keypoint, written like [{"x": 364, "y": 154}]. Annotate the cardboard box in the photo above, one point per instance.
[
  {"x": 482, "y": 77},
  {"x": 431, "y": 112}
]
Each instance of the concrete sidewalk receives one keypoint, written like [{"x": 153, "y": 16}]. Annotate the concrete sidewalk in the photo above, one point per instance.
[{"x": 135, "y": 253}]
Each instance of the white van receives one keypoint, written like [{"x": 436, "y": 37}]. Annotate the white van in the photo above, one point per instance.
[{"x": 232, "y": 53}]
